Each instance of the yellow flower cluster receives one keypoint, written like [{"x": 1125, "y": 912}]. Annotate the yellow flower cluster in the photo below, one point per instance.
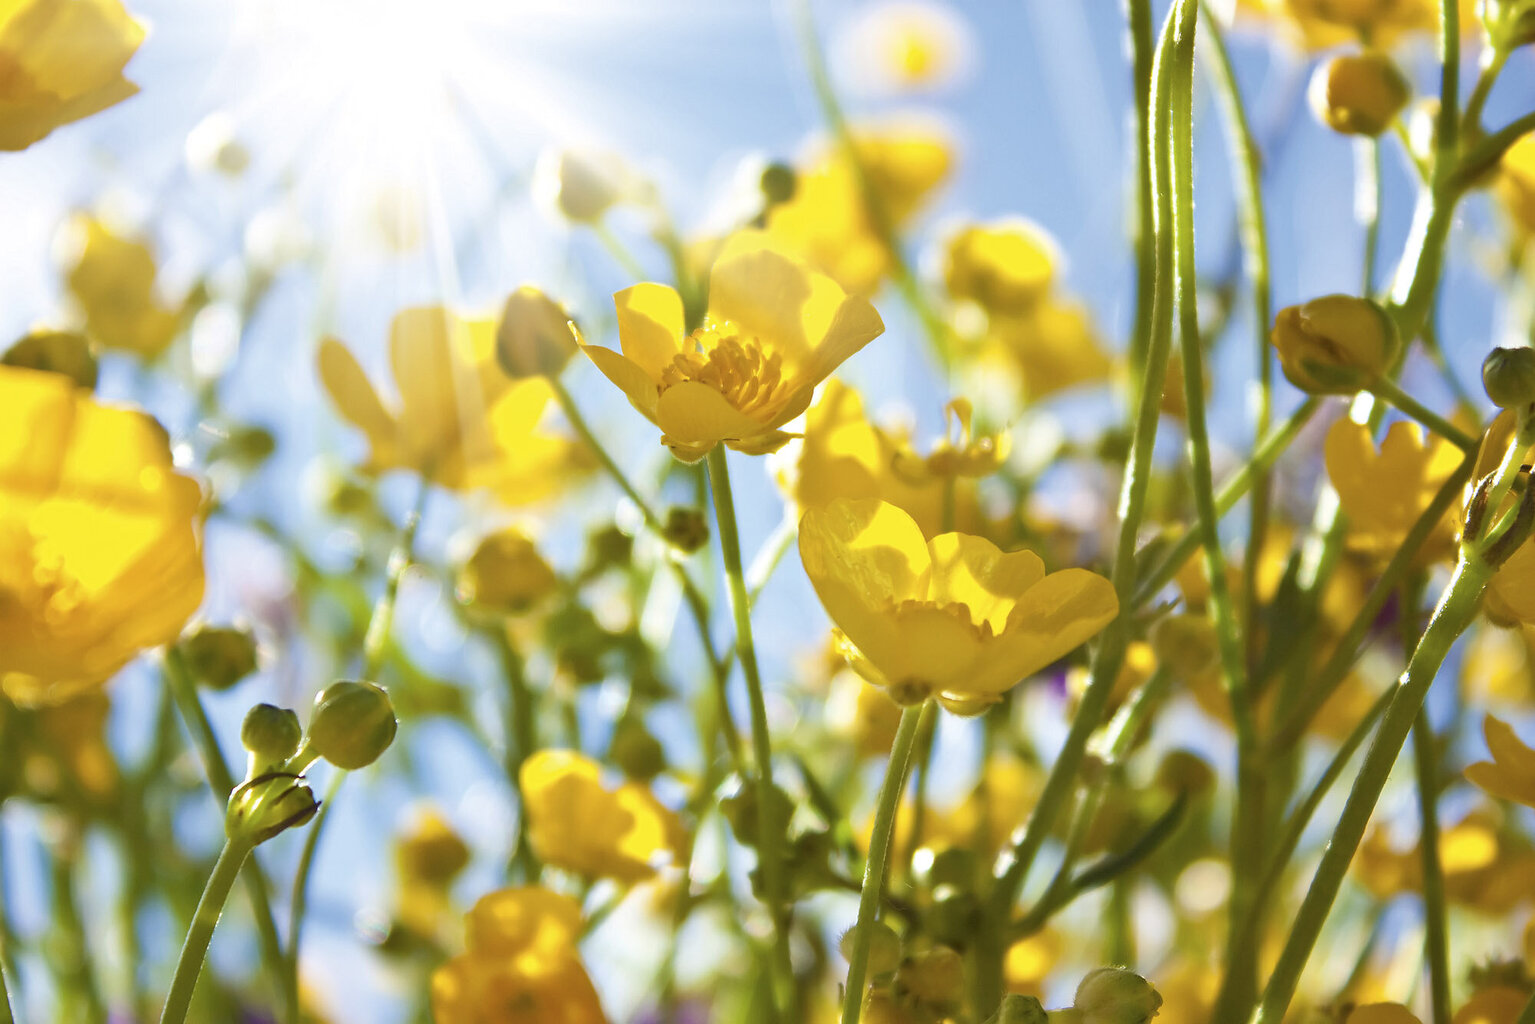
[
  {"x": 521, "y": 964},
  {"x": 100, "y": 553}
]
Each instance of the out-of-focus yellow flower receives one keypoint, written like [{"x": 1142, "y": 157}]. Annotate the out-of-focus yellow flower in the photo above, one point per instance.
[
  {"x": 1480, "y": 870},
  {"x": 1382, "y": 1013},
  {"x": 1320, "y": 24},
  {"x": 520, "y": 965},
  {"x": 1510, "y": 775},
  {"x": 843, "y": 455},
  {"x": 113, "y": 280},
  {"x": 1385, "y": 492},
  {"x": 1516, "y": 182},
  {"x": 576, "y": 823},
  {"x": 906, "y": 46},
  {"x": 506, "y": 574},
  {"x": 62, "y": 60},
  {"x": 1498, "y": 665},
  {"x": 863, "y": 713},
  {"x": 1029, "y": 961},
  {"x": 1055, "y": 348},
  {"x": 1510, "y": 596},
  {"x": 828, "y": 223},
  {"x": 59, "y": 753},
  {"x": 1359, "y": 93},
  {"x": 100, "y": 555},
  {"x": 959, "y": 454},
  {"x": 1500, "y": 1004},
  {"x": 1006, "y": 267},
  {"x": 459, "y": 420},
  {"x": 428, "y": 855},
  {"x": 954, "y": 617},
  {"x": 775, "y": 329}
]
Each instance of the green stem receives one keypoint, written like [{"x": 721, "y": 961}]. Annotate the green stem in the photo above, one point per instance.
[
  {"x": 1492, "y": 67},
  {"x": 1367, "y": 199},
  {"x": 298, "y": 899},
  {"x": 1456, "y": 610},
  {"x": 1387, "y": 389},
  {"x": 195, "y": 949},
  {"x": 521, "y": 741},
  {"x": 1447, "y": 135},
  {"x": 879, "y": 857},
  {"x": 1138, "y": 15},
  {"x": 1527, "y": 1015},
  {"x": 620, "y": 253},
  {"x": 381, "y": 623},
  {"x": 1484, "y": 154},
  {"x": 1436, "y": 931},
  {"x": 770, "y": 831},
  {"x": 80, "y": 995}
]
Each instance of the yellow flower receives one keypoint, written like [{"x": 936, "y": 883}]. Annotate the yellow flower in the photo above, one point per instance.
[
  {"x": 506, "y": 574},
  {"x": 1385, "y": 492},
  {"x": 906, "y": 46},
  {"x": 1501, "y": 1004},
  {"x": 1333, "y": 345},
  {"x": 1320, "y": 24},
  {"x": 775, "y": 329},
  {"x": 459, "y": 420},
  {"x": 827, "y": 222},
  {"x": 1030, "y": 960},
  {"x": 428, "y": 855},
  {"x": 953, "y": 617},
  {"x": 1510, "y": 775},
  {"x": 100, "y": 555},
  {"x": 843, "y": 455},
  {"x": 1006, "y": 267},
  {"x": 1516, "y": 182},
  {"x": 520, "y": 965},
  {"x": 576, "y": 823},
  {"x": 113, "y": 280},
  {"x": 1053, "y": 346},
  {"x": 1359, "y": 93},
  {"x": 61, "y": 60}
]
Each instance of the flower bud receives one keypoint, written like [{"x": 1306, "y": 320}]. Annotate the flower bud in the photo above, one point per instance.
[
  {"x": 1359, "y": 93},
  {"x": 934, "y": 978},
  {"x": 777, "y": 183},
  {"x": 740, "y": 810},
  {"x": 505, "y": 574},
  {"x": 1004, "y": 268},
  {"x": 1510, "y": 23},
  {"x": 1016, "y": 1009},
  {"x": 581, "y": 186},
  {"x": 1334, "y": 345},
  {"x": 1183, "y": 771},
  {"x": 1112, "y": 995},
  {"x": 1185, "y": 645},
  {"x": 884, "y": 947},
  {"x": 271, "y": 734},
  {"x": 219, "y": 656},
  {"x": 638, "y": 754},
  {"x": 685, "y": 529},
  {"x": 353, "y": 723},
  {"x": 1508, "y": 374},
  {"x": 268, "y": 805},
  {"x": 431, "y": 852},
  {"x": 534, "y": 338},
  {"x": 65, "y": 352}
]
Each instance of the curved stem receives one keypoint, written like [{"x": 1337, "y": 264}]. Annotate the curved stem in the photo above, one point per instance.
[
  {"x": 879, "y": 857},
  {"x": 770, "y": 830},
  {"x": 1404, "y": 403},
  {"x": 195, "y": 949}
]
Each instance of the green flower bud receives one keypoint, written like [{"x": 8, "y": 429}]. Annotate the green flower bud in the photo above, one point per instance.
[
  {"x": 954, "y": 914},
  {"x": 506, "y": 574},
  {"x": 63, "y": 352},
  {"x": 685, "y": 529},
  {"x": 955, "y": 866},
  {"x": 1334, "y": 345},
  {"x": 1359, "y": 93},
  {"x": 1185, "y": 645},
  {"x": 247, "y": 446},
  {"x": 638, "y": 754},
  {"x": 778, "y": 184},
  {"x": 608, "y": 547},
  {"x": 353, "y": 723},
  {"x": 740, "y": 810},
  {"x": 1183, "y": 771},
  {"x": 884, "y": 947},
  {"x": 1113, "y": 995},
  {"x": 1508, "y": 374},
  {"x": 271, "y": 734},
  {"x": 268, "y": 805},
  {"x": 934, "y": 978},
  {"x": 219, "y": 656},
  {"x": 535, "y": 337}
]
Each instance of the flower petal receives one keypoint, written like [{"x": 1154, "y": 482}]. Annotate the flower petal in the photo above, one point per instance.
[
  {"x": 972, "y": 571},
  {"x": 349, "y": 388},
  {"x": 1055, "y": 616},
  {"x": 696, "y": 414},
  {"x": 1508, "y": 750},
  {"x": 650, "y": 325},
  {"x": 637, "y": 385},
  {"x": 870, "y": 546}
]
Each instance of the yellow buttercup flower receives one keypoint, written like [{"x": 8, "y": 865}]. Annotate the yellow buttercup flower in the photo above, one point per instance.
[
  {"x": 576, "y": 823},
  {"x": 828, "y": 223},
  {"x": 100, "y": 555},
  {"x": 428, "y": 855},
  {"x": 1510, "y": 775},
  {"x": 1055, "y": 348},
  {"x": 113, "y": 280},
  {"x": 1516, "y": 182},
  {"x": 953, "y": 617},
  {"x": 1385, "y": 492},
  {"x": 1006, "y": 267},
  {"x": 61, "y": 60},
  {"x": 1320, "y": 24},
  {"x": 906, "y": 46},
  {"x": 520, "y": 965},
  {"x": 1500, "y": 1004},
  {"x": 1335, "y": 344},
  {"x": 774, "y": 330},
  {"x": 459, "y": 420}
]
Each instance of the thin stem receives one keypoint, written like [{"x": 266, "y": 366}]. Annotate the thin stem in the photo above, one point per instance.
[
  {"x": 1489, "y": 151},
  {"x": 1367, "y": 200},
  {"x": 521, "y": 741},
  {"x": 80, "y": 995},
  {"x": 1492, "y": 67},
  {"x": 376, "y": 641},
  {"x": 1447, "y": 135},
  {"x": 879, "y": 857},
  {"x": 195, "y": 949},
  {"x": 1404, "y": 403},
  {"x": 1436, "y": 942},
  {"x": 298, "y": 899},
  {"x": 1138, "y": 14},
  {"x": 769, "y": 829},
  {"x": 1457, "y": 608},
  {"x": 620, "y": 253}
]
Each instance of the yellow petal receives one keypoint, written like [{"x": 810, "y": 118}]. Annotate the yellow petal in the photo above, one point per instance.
[
  {"x": 353, "y": 394},
  {"x": 431, "y": 352},
  {"x": 650, "y": 325},
  {"x": 1511, "y": 755},
  {"x": 972, "y": 571},
  {"x": 694, "y": 413},
  {"x": 870, "y": 546},
  {"x": 629, "y": 376},
  {"x": 1055, "y": 616}
]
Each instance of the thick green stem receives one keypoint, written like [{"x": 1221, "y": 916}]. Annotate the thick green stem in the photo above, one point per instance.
[
  {"x": 1456, "y": 610},
  {"x": 195, "y": 949},
  {"x": 770, "y": 831},
  {"x": 879, "y": 858}
]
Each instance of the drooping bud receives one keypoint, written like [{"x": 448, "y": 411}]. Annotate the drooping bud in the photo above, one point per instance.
[
  {"x": 505, "y": 574},
  {"x": 65, "y": 352},
  {"x": 271, "y": 734},
  {"x": 1334, "y": 345},
  {"x": 884, "y": 947},
  {"x": 353, "y": 723},
  {"x": 1016, "y": 1009},
  {"x": 1508, "y": 375},
  {"x": 1113, "y": 995},
  {"x": 934, "y": 978},
  {"x": 1359, "y": 93},
  {"x": 685, "y": 529},
  {"x": 638, "y": 754},
  {"x": 534, "y": 338},
  {"x": 219, "y": 656},
  {"x": 1185, "y": 645},
  {"x": 777, "y": 183}
]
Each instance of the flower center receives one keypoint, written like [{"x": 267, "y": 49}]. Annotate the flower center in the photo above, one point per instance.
[{"x": 734, "y": 365}]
